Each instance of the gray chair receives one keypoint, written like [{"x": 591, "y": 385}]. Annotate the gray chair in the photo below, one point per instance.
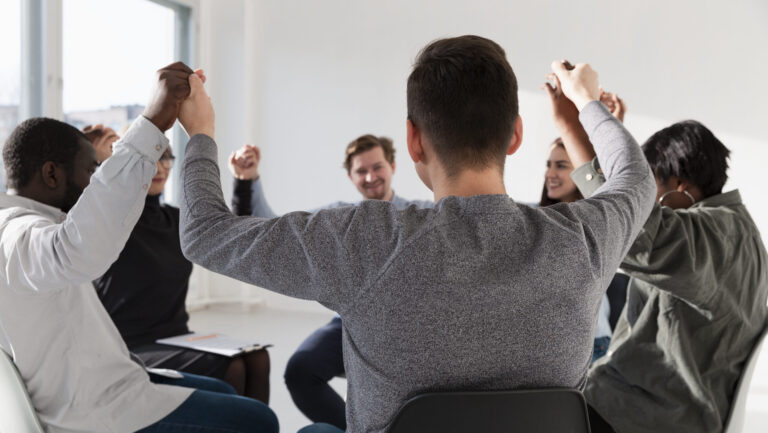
[
  {"x": 524, "y": 411},
  {"x": 17, "y": 415},
  {"x": 735, "y": 423}
]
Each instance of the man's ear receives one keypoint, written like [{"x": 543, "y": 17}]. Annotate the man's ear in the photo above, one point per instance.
[
  {"x": 414, "y": 141},
  {"x": 52, "y": 174},
  {"x": 393, "y": 167},
  {"x": 517, "y": 136}
]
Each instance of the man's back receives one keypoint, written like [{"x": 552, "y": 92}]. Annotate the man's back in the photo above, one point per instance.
[{"x": 479, "y": 293}]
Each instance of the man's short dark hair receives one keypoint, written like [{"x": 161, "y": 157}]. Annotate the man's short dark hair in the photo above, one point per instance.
[
  {"x": 35, "y": 142},
  {"x": 365, "y": 143},
  {"x": 689, "y": 151},
  {"x": 462, "y": 94}
]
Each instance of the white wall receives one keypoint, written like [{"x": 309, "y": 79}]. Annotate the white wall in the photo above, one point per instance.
[{"x": 301, "y": 79}]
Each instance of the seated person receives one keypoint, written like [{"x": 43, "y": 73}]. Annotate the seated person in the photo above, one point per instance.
[
  {"x": 697, "y": 294},
  {"x": 61, "y": 227},
  {"x": 144, "y": 292},
  {"x": 456, "y": 297},
  {"x": 370, "y": 165}
]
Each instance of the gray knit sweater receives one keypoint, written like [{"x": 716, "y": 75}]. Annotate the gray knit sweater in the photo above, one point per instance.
[{"x": 479, "y": 293}]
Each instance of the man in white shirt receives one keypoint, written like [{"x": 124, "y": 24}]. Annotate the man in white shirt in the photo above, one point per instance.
[{"x": 62, "y": 223}]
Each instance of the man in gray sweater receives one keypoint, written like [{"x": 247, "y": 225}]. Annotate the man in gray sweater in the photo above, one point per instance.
[{"x": 458, "y": 297}]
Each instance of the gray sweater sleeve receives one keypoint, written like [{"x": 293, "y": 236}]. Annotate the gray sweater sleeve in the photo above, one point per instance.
[
  {"x": 613, "y": 216},
  {"x": 299, "y": 254}
]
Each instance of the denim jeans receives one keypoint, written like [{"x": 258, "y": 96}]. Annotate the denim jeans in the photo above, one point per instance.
[
  {"x": 601, "y": 347},
  {"x": 213, "y": 408},
  {"x": 321, "y": 428},
  {"x": 318, "y": 360}
]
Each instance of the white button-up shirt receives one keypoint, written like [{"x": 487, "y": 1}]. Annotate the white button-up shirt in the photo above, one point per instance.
[{"x": 74, "y": 363}]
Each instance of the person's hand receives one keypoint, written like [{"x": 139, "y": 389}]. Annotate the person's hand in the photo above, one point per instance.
[
  {"x": 172, "y": 89},
  {"x": 615, "y": 105},
  {"x": 102, "y": 139},
  {"x": 579, "y": 83},
  {"x": 564, "y": 112},
  {"x": 244, "y": 163},
  {"x": 196, "y": 114}
]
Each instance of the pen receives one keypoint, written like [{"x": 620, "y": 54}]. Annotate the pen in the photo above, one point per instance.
[{"x": 201, "y": 337}]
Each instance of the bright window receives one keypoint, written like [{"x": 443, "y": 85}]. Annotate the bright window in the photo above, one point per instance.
[
  {"x": 10, "y": 71},
  {"x": 111, "y": 49}
]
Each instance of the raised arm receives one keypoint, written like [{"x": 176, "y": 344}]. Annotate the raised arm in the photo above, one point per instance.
[
  {"x": 248, "y": 195},
  {"x": 615, "y": 214},
  {"x": 94, "y": 231},
  {"x": 299, "y": 254}
]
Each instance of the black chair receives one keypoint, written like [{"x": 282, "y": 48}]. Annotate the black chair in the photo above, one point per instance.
[{"x": 523, "y": 411}]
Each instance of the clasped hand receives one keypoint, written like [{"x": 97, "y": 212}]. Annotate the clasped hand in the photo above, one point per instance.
[{"x": 180, "y": 94}]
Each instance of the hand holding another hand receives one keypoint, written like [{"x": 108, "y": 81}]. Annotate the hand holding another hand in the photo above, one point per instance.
[
  {"x": 564, "y": 112},
  {"x": 196, "y": 114},
  {"x": 172, "y": 88},
  {"x": 578, "y": 84},
  {"x": 615, "y": 105},
  {"x": 244, "y": 163}
]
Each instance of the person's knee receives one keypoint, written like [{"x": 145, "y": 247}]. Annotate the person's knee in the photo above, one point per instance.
[
  {"x": 256, "y": 415},
  {"x": 300, "y": 369},
  {"x": 267, "y": 419},
  {"x": 258, "y": 362},
  {"x": 235, "y": 375}
]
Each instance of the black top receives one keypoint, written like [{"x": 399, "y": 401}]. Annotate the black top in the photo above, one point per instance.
[{"x": 145, "y": 289}]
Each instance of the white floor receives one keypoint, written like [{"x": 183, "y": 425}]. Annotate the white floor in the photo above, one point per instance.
[{"x": 286, "y": 329}]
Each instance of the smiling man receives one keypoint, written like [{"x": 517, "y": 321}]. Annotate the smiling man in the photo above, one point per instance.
[{"x": 370, "y": 165}]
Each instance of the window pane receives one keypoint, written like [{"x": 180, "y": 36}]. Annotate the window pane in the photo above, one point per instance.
[
  {"x": 10, "y": 71},
  {"x": 111, "y": 49}
]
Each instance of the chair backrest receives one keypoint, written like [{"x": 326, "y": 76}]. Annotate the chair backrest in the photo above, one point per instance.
[
  {"x": 17, "y": 415},
  {"x": 524, "y": 411},
  {"x": 735, "y": 422}
]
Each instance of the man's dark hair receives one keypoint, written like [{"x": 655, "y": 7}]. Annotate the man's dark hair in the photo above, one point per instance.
[
  {"x": 35, "y": 142},
  {"x": 690, "y": 151},
  {"x": 462, "y": 94},
  {"x": 365, "y": 143}
]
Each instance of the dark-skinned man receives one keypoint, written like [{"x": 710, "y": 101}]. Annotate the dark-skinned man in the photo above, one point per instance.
[{"x": 62, "y": 223}]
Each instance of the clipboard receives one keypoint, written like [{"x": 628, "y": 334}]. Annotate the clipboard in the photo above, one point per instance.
[{"x": 219, "y": 344}]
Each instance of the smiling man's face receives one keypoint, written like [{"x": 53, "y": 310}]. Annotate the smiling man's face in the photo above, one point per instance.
[{"x": 372, "y": 174}]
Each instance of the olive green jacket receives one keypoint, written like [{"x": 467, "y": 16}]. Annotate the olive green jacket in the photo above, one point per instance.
[{"x": 696, "y": 305}]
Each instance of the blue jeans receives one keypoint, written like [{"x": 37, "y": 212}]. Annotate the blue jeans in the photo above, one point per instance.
[
  {"x": 318, "y": 359},
  {"x": 601, "y": 347},
  {"x": 213, "y": 408},
  {"x": 321, "y": 428}
]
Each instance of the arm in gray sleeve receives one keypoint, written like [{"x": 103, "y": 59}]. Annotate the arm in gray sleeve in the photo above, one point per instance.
[
  {"x": 299, "y": 254},
  {"x": 613, "y": 216}
]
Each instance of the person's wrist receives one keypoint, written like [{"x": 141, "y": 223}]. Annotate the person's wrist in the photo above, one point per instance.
[
  {"x": 583, "y": 100},
  {"x": 200, "y": 131}
]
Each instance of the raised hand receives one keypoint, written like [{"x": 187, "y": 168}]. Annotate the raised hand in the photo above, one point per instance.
[
  {"x": 244, "y": 163},
  {"x": 615, "y": 105},
  {"x": 196, "y": 114},
  {"x": 564, "y": 112},
  {"x": 172, "y": 89},
  {"x": 102, "y": 139},
  {"x": 579, "y": 83}
]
